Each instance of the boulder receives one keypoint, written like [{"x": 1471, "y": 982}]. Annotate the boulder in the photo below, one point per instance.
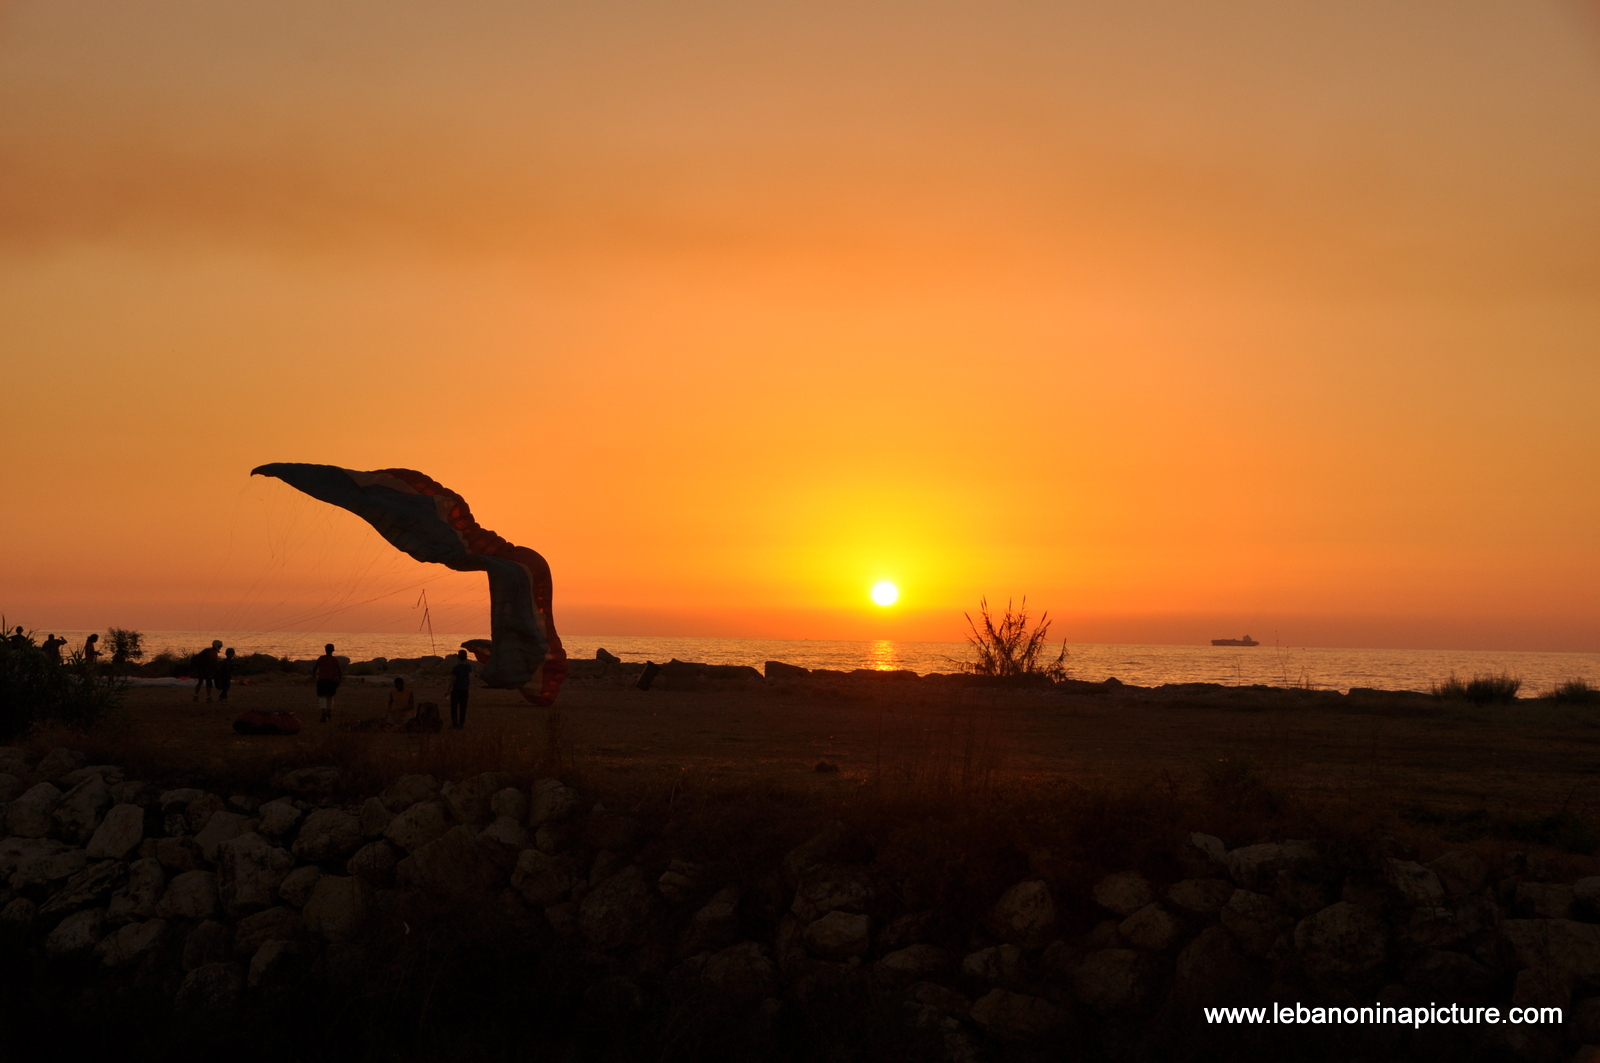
[
  {"x": 716, "y": 924},
  {"x": 452, "y": 865},
  {"x": 1460, "y": 873},
  {"x": 1200, "y": 896},
  {"x": 911, "y": 964},
  {"x": 940, "y": 1000},
  {"x": 19, "y": 913},
  {"x": 59, "y": 762},
  {"x": 78, "y": 812},
  {"x": 110, "y": 774},
  {"x": 1111, "y": 980},
  {"x": 409, "y": 790},
  {"x": 1206, "y": 855},
  {"x": 297, "y": 885},
  {"x": 89, "y": 888},
  {"x": 221, "y": 827},
  {"x": 510, "y": 802},
  {"x": 375, "y": 817},
  {"x": 1543, "y": 900},
  {"x": 779, "y": 670},
  {"x": 1341, "y": 940},
  {"x": 274, "y": 963},
  {"x": 275, "y": 924},
  {"x": 78, "y": 932},
  {"x": 191, "y": 895},
  {"x": 278, "y": 818},
  {"x": 1001, "y": 965},
  {"x": 838, "y": 935},
  {"x": 418, "y": 825},
  {"x": 16, "y": 851},
  {"x": 1416, "y": 885},
  {"x": 1255, "y": 867},
  {"x": 374, "y": 862},
  {"x": 179, "y": 854},
  {"x": 469, "y": 802},
  {"x": 118, "y": 834},
  {"x": 1255, "y": 920},
  {"x": 131, "y": 943},
  {"x": 1017, "y": 1016},
  {"x": 10, "y": 786},
  {"x": 1210, "y": 970},
  {"x": 209, "y": 942},
  {"x": 338, "y": 907},
  {"x": 544, "y": 880},
  {"x": 214, "y": 987},
  {"x": 137, "y": 901},
  {"x": 177, "y": 800},
  {"x": 201, "y": 809},
  {"x": 29, "y": 816},
  {"x": 1151, "y": 928},
  {"x": 743, "y": 972},
  {"x": 829, "y": 846},
  {"x": 828, "y": 893},
  {"x": 48, "y": 866},
  {"x": 618, "y": 910},
  {"x": 327, "y": 834},
  {"x": 249, "y": 871},
  {"x": 1124, "y": 892},
  {"x": 505, "y": 839},
  {"x": 1563, "y": 945}
]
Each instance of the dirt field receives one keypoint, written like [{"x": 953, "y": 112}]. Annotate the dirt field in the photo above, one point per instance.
[{"x": 1530, "y": 758}]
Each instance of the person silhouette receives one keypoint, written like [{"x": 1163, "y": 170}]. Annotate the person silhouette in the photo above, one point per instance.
[
  {"x": 52, "y": 647},
  {"x": 91, "y": 650},
  {"x": 460, "y": 685},
  {"x": 224, "y": 674},
  {"x": 328, "y": 674}
]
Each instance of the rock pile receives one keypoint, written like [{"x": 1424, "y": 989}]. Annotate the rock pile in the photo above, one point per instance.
[{"x": 218, "y": 900}]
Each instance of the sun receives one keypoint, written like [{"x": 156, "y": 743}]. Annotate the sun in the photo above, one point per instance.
[{"x": 885, "y": 593}]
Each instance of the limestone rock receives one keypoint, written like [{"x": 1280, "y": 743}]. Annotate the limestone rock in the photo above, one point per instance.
[
  {"x": 16, "y": 851},
  {"x": 452, "y": 865},
  {"x": 1255, "y": 920},
  {"x": 838, "y": 935},
  {"x": 510, "y": 802},
  {"x": 29, "y": 816},
  {"x": 119, "y": 833},
  {"x": 1254, "y": 867},
  {"x": 409, "y": 790},
  {"x": 221, "y": 827},
  {"x": 297, "y": 885},
  {"x": 1124, "y": 892},
  {"x": 327, "y": 834},
  {"x": 1017, "y": 1016},
  {"x": 469, "y": 802},
  {"x": 209, "y": 942},
  {"x": 20, "y": 912},
  {"x": 78, "y": 932},
  {"x": 1417, "y": 886},
  {"x": 1343, "y": 939},
  {"x": 618, "y": 910},
  {"x": 1200, "y": 896},
  {"x": 1111, "y": 980},
  {"x": 278, "y": 818},
  {"x": 743, "y": 971},
  {"x": 179, "y": 854},
  {"x": 137, "y": 901},
  {"x": 418, "y": 825},
  {"x": 552, "y": 805},
  {"x": 275, "y": 924},
  {"x": 214, "y": 987},
  {"x": 1151, "y": 928},
  {"x": 249, "y": 871},
  {"x": 1460, "y": 872},
  {"x": 941, "y": 1000},
  {"x": 177, "y": 800},
  {"x": 201, "y": 809},
  {"x": 91, "y": 887},
  {"x": 911, "y": 964},
  {"x": 131, "y": 943},
  {"x": 716, "y": 924},
  {"x": 78, "y": 812},
  {"x": 375, "y": 817},
  {"x": 1001, "y": 965},
  {"x": 338, "y": 907},
  {"x": 828, "y": 893},
  {"x": 374, "y": 862},
  {"x": 58, "y": 762},
  {"x": 274, "y": 963},
  {"x": 46, "y": 866},
  {"x": 507, "y": 837},
  {"x": 543, "y": 880},
  {"x": 191, "y": 895}
]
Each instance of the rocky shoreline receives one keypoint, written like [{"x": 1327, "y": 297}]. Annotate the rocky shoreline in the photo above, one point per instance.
[{"x": 215, "y": 903}]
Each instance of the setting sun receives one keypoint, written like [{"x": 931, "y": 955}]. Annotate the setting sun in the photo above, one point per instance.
[{"x": 885, "y": 593}]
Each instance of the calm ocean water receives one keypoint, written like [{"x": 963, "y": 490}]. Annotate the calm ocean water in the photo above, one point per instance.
[{"x": 1337, "y": 669}]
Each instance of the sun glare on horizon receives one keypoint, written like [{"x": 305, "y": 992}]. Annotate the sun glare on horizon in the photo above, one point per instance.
[{"x": 885, "y": 593}]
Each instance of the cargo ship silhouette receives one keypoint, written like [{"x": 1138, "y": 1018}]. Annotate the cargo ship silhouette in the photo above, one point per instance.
[{"x": 1246, "y": 641}]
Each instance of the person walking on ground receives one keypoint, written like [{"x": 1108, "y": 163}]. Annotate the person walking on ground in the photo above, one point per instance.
[
  {"x": 460, "y": 684},
  {"x": 224, "y": 676},
  {"x": 91, "y": 650},
  {"x": 52, "y": 648},
  {"x": 205, "y": 669},
  {"x": 402, "y": 705},
  {"x": 327, "y": 673}
]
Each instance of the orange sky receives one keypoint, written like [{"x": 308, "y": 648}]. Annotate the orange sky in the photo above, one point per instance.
[{"x": 1184, "y": 319}]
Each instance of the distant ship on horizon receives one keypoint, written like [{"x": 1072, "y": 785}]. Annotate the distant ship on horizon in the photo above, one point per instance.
[{"x": 1246, "y": 641}]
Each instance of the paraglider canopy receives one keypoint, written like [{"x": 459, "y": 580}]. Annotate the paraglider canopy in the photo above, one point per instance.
[{"x": 430, "y": 522}]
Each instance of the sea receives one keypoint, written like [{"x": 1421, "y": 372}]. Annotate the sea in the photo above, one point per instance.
[{"x": 1325, "y": 668}]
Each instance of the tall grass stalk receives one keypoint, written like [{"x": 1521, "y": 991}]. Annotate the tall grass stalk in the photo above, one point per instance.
[{"x": 1006, "y": 647}]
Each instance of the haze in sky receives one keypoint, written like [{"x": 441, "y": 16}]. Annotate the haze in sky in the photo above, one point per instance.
[{"x": 1183, "y": 319}]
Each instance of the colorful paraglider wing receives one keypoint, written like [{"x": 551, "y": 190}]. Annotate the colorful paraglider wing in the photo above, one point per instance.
[{"x": 432, "y": 523}]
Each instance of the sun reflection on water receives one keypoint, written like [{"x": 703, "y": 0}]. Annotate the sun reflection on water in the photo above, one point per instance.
[{"x": 882, "y": 656}]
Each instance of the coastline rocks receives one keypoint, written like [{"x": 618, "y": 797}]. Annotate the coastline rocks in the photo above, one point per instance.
[
  {"x": 838, "y": 935},
  {"x": 131, "y": 943},
  {"x": 213, "y": 987},
  {"x": 375, "y": 817},
  {"x": 338, "y": 907},
  {"x": 78, "y": 932},
  {"x": 552, "y": 803},
  {"x": 1111, "y": 980},
  {"x": 1151, "y": 928},
  {"x": 297, "y": 885},
  {"x": 137, "y": 900},
  {"x": 278, "y": 818},
  {"x": 542, "y": 879},
  {"x": 409, "y": 790},
  {"x": 617, "y": 910},
  {"x": 1254, "y": 867},
  {"x": 1255, "y": 920},
  {"x": 453, "y": 865},
  {"x": 220, "y": 827},
  {"x": 1123, "y": 893},
  {"x": 374, "y": 862},
  {"x": 1200, "y": 896},
  {"x": 78, "y": 812},
  {"x": 743, "y": 972},
  {"x": 327, "y": 834},
  {"x": 274, "y": 924},
  {"x": 1001, "y": 965},
  {"x": 89, "y": 887},
  {"x": 191, "y": 895},
  {"x": 249, "y": 871},
  {"x": 418, "y": 825},
  {"x": 1017, "y": 1016},
  {"x": 1343, "y": 939},
  {"x": 844, "y": 893},
  {"x": 29, "y": 816},
  {"x": 119, "y": 833},
  {"x": 1024, "y": 915},
  {"x": 208, "y": 942},
  {"x": 510, "y": 802},
  {"x": 469, "y": 802}
]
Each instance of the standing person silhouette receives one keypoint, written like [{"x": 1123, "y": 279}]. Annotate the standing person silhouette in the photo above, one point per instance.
[
  {"x": 17, "y": 638},
  {"x": 52, "y": 648},
  {"x": 91, "y": 650},
  {"x": 327, "y": 673},
  {"x": 460, "y": 684},
  {"x": 224, "y": 676},
  {"x": 205, "y": 669}
]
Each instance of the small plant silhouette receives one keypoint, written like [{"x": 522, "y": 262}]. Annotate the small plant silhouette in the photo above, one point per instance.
[{"x": 1005, "y": 646}]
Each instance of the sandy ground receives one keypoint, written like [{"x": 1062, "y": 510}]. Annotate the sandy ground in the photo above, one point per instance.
[{"x": 1528, "y": 757}]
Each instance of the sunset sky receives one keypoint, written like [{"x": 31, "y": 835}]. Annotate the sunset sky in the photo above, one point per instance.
[{"x": 1185, "y": 319}]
